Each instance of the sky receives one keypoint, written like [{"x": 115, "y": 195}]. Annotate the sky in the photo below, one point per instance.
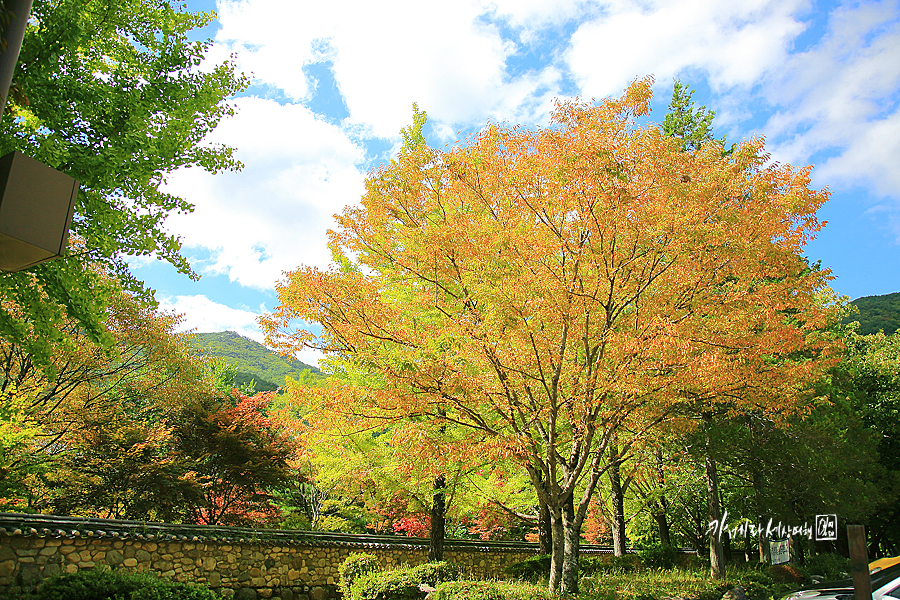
[{"x": 332, "y": 84}]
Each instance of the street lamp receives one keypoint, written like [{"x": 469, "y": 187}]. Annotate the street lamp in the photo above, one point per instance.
[{"x": 36, "y": 201}]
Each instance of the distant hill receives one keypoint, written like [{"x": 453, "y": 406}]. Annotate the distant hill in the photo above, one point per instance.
[
  {"x": 252, "y": 360},
  {"x": 877, "y": 312}
]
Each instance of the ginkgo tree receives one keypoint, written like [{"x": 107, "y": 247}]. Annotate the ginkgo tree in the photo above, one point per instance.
[
  {"x": 550, "y": 289},
  {"x": 113, "y": 94}
]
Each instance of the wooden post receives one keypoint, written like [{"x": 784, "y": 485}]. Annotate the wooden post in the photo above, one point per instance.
[{"x": 859, "y": 562}]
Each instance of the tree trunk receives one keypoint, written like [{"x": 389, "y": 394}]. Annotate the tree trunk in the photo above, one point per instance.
[
  {"x": 661, "y": 506},
  {"x": 556, "y": 557},
  {"x": 726, "y": 546},
  {"x": 796, "y": 550},
  {"x": 763, "y": 543},
  {"x": 763, "y": 546},
  {"x": 716, "y": 558},
  {"x": 757, "y": 500},
  {"x": 438, "y": 509},
  {"x": 572, "y": 535},
  {"x": 545, "y": 532},
  {"x": 618, "y": 504},
  {"x": 748, "y": 547},
  {"x": 662, "y": 524}
]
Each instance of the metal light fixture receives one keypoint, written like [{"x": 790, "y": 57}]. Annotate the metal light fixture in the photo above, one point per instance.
[
  {"x": 36, "y": 201},
  {"x": 36, "y": 205}
]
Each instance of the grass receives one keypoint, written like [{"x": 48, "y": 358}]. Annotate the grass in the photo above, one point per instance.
[
  {"x": 653, "y": 584},
  {"x": 693, "y": 584}
]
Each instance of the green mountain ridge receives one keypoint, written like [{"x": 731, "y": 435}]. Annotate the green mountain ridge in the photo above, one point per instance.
[
  {"x": 252, "y": 361},
  {"x": 877, "y": 313}
]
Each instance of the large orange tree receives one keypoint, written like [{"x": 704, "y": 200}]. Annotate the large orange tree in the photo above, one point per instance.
[{"x": 558, "y": 291}]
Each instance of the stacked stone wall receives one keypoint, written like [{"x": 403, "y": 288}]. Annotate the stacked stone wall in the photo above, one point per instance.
[{"x": 286, "y": 568}]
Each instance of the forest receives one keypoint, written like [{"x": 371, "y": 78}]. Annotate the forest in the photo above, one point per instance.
[
  {"x": 601, "y": 331},
  {"x": 254, "y": 365}
]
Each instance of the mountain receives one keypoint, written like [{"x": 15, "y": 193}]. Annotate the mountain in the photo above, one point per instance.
[
  {"x": 877, "y": 312},
  {"x": 252, "y": 360}
]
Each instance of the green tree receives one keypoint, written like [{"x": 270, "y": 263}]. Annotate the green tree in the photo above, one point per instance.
[
  {"x": 691, "y": 125},
  {"x": 252, "y": 361},
  {"x": 17, "y": 433},
  {"x": 123, "y": 466},
  {"x": 143, "y": 430},
  {"x": 111, "y": 93},
  {"x": 877, "y": 313},
  {"x": 869, "y": 381}
]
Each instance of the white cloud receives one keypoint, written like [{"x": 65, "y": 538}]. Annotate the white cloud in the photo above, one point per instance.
[
  {"x": 735, "y": 43},
  {"x": 300, "y": 170},
  {"x": 840, "y": 98},
  {"x": 202, "y": 315},
  {"x": 447, "y": 56},
  {"x": 271, "y": 216},
  {"x": 534, "y": 15},
  {"x": 873, "y": 155}
]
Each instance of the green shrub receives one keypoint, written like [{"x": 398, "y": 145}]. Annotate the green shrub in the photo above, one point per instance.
[
  {"x": 658, "y": 556},
  {"x": 830, "y": 567},
  {"x": 758, "y": 585},
  {"x": 354, "y": 567},
  {"x": 385, "y": 585},
  {"x": 402, "y": 583},
  {"x": 715, "y": 593},
  {"x": 538, "y": 567},
  {"x": 530, "y": 569},
  {"x": 296, "y": 520},
  {"x": 692, "y": 562},
  {"x": 489, "y": 590},
  {"x": 434, "y": 573},
  {"x": 772, "y": 583},
  {"x": 339, "y": 524},
  {"x": 589, "y": 565},
  {"x": 103, "y": 584}
]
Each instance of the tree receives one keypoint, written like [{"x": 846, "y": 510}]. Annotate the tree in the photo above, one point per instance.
[
  {"x": 148, "y": 371},
  {"x": 145, "y": 429},
  {"x": 112, "y": 94},
  {"x": 239, "y": 456},
  {"x": 122, "y": 466},
  {"x": 691, "y": 126},
  {"x": 390, "y": 469},
  {"x": 868, "y": 383},
  {"x": 17, "y": 435},
  {"x": 547, "y": 289}
]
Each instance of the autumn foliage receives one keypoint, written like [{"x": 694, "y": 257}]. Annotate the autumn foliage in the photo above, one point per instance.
[
  {"x": 549, "y": 289},
  {"x": 141, "y": 430}
]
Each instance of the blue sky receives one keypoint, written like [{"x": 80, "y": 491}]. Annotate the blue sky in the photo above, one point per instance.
[{"x": 333, "y": 83}]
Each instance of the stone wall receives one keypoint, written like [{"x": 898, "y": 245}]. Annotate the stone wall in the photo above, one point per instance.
[{"x": 246, "y": 564}]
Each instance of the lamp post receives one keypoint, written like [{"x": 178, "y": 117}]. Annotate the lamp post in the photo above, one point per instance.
[
  {"x": 17, "y": 11},
  {"x": 36, "y": 201}
]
